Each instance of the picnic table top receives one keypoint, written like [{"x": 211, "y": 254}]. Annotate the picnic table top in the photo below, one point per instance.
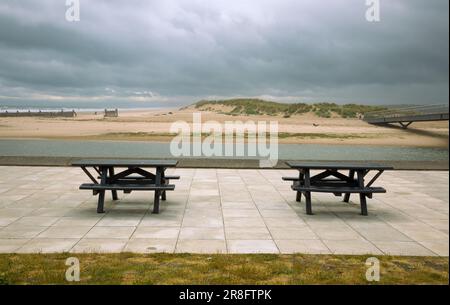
[
  {"x": 337, "y": 165},
  {"x": 125, "y": 163}
]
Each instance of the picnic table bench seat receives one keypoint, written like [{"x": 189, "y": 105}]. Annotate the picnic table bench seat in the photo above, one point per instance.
[
  {"x": 127, "y": 187},
  {"x": 322, "y": 181},
  {"x": 137, "y": 177},
  {"x": 342, "y": 190}
]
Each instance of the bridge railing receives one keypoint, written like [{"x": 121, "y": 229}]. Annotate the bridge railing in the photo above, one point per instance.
[{"x": 408, "y": 111}]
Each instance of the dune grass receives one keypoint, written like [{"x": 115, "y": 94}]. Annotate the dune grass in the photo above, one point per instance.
[
  {"x": 248, "y": 106},
  {"x": 128, "y": 268}
]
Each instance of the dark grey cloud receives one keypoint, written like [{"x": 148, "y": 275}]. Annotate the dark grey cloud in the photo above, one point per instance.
[{"x": 175, "y": 52}]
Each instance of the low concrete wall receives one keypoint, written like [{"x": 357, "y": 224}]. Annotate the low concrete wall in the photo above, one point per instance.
[{"x": 219, "y": 163}]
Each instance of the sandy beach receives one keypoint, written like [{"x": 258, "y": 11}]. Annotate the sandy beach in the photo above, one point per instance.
[{"x": 154, "y": 125}]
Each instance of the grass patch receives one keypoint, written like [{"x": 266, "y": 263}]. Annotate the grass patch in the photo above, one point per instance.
[
  {"x": 127, "y": 268},
  {"x": 127, "y": 136},
  {"x": 149, "y": 136},
  {"x": 339, "y": 136}
]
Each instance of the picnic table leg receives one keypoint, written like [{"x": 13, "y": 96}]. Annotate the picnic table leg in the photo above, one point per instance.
[
  {"x": 308, "y": 194},
  {"x": 163, "y": 193},
  {"x": 157, "y": 192},
  {"x": 101, "y": 193},
  {"x": 362, "y": 197},
  {"x": 352, "y": 176},
  {"x": 298, "y": 198},
  {"x": 113, "y": 192}
]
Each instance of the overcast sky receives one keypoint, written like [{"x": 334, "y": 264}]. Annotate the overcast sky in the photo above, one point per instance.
[{"x": 170, "y": 53}]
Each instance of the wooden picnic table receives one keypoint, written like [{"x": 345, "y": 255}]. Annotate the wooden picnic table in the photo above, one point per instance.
[
  {"x": 127, "y": 176},
  {"x": 337, "y": 178}
]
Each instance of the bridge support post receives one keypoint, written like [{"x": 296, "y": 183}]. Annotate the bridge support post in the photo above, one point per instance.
[{"x": 405, "y": 124}]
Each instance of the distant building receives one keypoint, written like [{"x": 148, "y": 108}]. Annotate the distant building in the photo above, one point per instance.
[{"x": 111, "y": 113}]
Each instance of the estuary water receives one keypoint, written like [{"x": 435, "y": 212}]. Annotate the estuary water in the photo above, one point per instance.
[{"x": 128, "y": 149}]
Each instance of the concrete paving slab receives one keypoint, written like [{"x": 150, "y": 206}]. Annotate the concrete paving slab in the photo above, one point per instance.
[
  {"x": 302, "y": 246},
  {"x": 254, "y": 233},
  {"x": 252, "y": 246},
  {"x": 201, "y": 233},
  {"x": 12, "y": 245},
  {"x": 65, "y": 232},
  {"x": 150, "y": 245},
  {"x": 48, "y": 245},
  {"x": 110, "y": 232},
  {"x": 156, "y": 232},
  {"x": 93, "y": 245},
  {"x": 201, "y": 246},
  {"x": 356, "y": 247}
]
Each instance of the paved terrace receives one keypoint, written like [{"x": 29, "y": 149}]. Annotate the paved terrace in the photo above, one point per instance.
[{"x": 221, "y": 211}]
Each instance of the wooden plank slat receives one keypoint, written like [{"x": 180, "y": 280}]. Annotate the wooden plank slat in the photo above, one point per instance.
[
  {"x": 125, "y": 163},
  {"x": 337, "y": 165}
]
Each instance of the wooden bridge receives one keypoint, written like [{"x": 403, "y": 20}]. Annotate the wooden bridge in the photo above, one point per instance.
[{"x": 406, "y": 116}]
